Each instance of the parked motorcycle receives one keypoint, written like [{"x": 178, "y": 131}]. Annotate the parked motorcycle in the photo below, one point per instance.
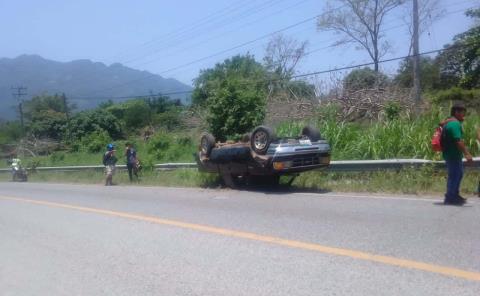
[{"x": 19, "y": 173}]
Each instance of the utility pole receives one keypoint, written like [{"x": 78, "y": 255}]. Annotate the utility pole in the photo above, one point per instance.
[
  {"x": 65, "y": 106},
  {"x": 416, "y": 56},
  {"x": 20, "y": 91}
]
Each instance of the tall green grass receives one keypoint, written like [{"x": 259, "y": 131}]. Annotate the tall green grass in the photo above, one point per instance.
[{"x": 403, "y": 137}]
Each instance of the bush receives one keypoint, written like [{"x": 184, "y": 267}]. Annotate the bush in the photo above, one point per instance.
[
  {"x": 87, "y": 122},
  {"x": 135, "y": 113},
  {"x": 95, "y": 142},
  {"x": 392, "y": 110},
  {"x": 148, "y": 163},
  {"x": 57, "y": 157},
  {"x": 365, "y": 78},
  {"x": 234, "y": 94},
  {"x": 185, "y": 141},
  {"x": 10, "y": 132},
  {"x": 168, "y": 120},
  {"x": 471, "y": 97},
  {"x": 235, "y": 110},
  {"x": 159, "y": 144}
]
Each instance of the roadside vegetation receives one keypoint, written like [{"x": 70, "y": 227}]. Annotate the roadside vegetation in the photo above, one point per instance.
[
  {"x": 409, "y": 181},
  {"x": 365, "y": 114}
]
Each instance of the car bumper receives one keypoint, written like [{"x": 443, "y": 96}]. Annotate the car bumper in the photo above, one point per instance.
[{"x": 300, "y": 162}]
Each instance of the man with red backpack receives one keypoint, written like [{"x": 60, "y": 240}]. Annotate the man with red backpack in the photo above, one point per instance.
[{"x": 453, "y": 149}]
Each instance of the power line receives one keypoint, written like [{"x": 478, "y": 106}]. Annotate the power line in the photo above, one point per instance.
[
  {"x": 217, "y": 25},
  {"x": 205, "y": 58},
  {"x": 223, "y": 34},
  {"x": 195, "y": 31},
  {"x": 190, "y": 26},
  {"x": 219, "y": 53},
  {"x": 228, "y": 50},
  {"x": 453, "y": 47},
  {"x": 192, "y": 29},
  {"x": 385, "y": 30},
  {"x": 215, "y": 54}
]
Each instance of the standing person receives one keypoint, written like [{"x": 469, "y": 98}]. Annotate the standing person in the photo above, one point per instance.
[
  {"x": 453, "y": 150},
  {"x": 131, "y": 156},
  {"x": 109, "y": 161}
]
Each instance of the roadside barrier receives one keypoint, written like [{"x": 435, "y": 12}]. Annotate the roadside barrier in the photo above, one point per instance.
[{"x": 336, "y": 166}]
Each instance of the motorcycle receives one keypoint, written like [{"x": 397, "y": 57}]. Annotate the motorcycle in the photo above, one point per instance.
[{"x": 19, "y": 173}]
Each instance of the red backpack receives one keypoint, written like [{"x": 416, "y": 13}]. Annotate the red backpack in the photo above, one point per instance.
[{"x": 437, "y": 135}]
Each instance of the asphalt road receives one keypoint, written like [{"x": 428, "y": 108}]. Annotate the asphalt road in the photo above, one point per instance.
[{"x": 94, "y": 240}]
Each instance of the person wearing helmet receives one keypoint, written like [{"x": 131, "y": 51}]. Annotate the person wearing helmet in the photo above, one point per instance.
[{"x": 109, "y": 161}]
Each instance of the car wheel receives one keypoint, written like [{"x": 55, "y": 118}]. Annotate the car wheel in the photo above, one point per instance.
[
  {"x": 312, "y": 133},
  {"x": 261, "y": 138},
  {"x": 207, "y": 142}
]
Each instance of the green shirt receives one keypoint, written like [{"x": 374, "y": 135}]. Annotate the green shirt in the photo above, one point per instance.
[{"x": 453, "y": 133}]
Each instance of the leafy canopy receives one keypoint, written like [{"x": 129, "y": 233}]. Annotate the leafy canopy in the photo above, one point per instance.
[
  {"x": 364, "y": 78},
  {"x": 460, "y": 62},
  {"x": 234, "y": 94},
  {"x": 46, "y": 115}
]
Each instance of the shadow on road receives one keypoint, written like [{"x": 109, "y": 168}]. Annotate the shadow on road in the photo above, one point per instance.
[
  {"x": 440, "y": 203},
  {"x": 279, "y": 189}
]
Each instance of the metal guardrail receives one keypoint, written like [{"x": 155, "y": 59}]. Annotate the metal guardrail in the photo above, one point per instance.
[{"x": 339, "y": 165}]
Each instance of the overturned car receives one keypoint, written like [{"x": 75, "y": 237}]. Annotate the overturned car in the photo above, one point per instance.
[{"x": 261, "y": 157}]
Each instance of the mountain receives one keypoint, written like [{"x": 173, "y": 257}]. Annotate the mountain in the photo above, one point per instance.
[{"x": 84, "y": 82}]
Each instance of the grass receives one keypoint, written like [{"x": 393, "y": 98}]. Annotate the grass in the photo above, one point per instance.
[
  {"x": 404, "y": 137},
  {"x": 178, "y": 147},
  {"x": 408, "y": 181},
  {"x": 174, "y": 178},
  {"x": 424, "y": 181}
]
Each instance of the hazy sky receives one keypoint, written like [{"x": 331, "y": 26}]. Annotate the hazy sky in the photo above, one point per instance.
[{"x": 159, "y": 36}]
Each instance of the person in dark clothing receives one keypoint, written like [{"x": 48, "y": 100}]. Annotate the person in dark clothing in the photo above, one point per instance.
[
  {"x": 132, "y": 161},
  {"x": 453, "y": 151}
]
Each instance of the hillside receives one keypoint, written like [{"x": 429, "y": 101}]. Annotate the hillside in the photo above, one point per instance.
[{"x": 85, "y": 82}]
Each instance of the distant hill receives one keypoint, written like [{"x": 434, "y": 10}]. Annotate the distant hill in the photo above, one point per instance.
[{"x": 84, "y": 82}]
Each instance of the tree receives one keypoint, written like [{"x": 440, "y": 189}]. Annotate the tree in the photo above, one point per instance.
[
  {"x": 360, "y": 22},
  {"x": 46, "y": 115},
  {"x": 10, "y": 132},
  {"x": 161, "y": 104},
  {"x": 364, "y": 78},
  {"x": 460, "y": 61},
  {"x": 234, "y": 94},
  {"x": 87, "y": 122},
  {"x": 282, "y": 56},
  {"x": 133, "y": 113},
  {"x": 38, "y": 104},
  {"x": 429, "y": 74}
]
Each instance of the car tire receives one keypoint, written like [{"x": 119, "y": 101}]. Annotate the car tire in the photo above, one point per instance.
[
  {"x": 312, "y": 133},
  {"x": 261, "y": 138},
  {"x": 207, "y": 142}
]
